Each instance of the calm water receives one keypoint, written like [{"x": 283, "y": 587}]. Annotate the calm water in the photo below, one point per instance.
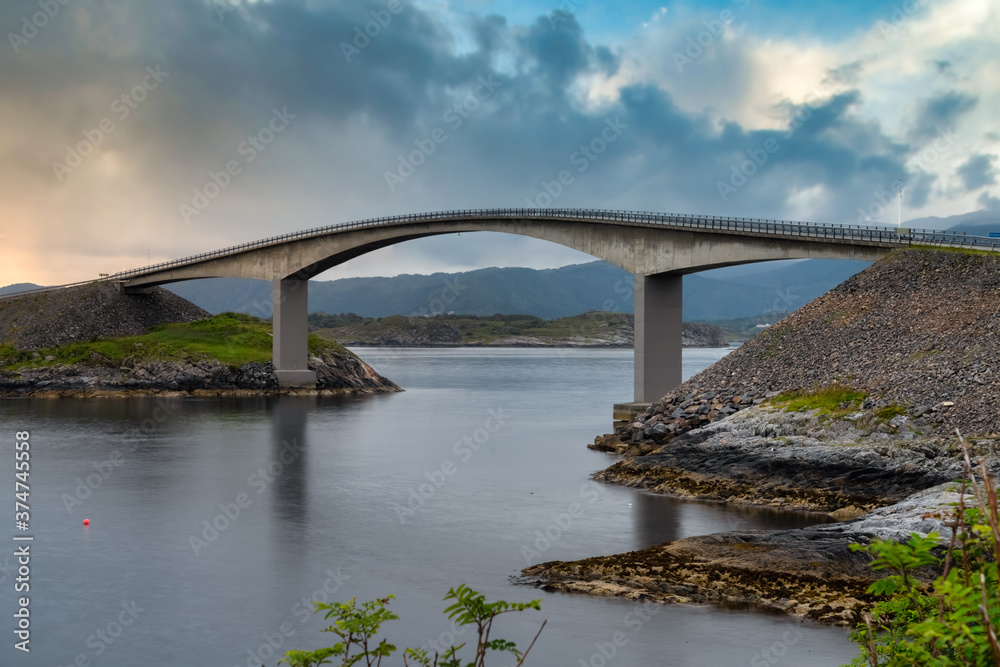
[{"x": 459, "y": 479}]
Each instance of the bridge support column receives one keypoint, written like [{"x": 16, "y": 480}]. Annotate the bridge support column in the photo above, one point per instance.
[
  {"x": 291, "y": 333},
  {"x": 658, "y": 300}
]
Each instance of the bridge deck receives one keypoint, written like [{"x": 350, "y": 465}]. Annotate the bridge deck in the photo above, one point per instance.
[{"x": 870, "y": 235}]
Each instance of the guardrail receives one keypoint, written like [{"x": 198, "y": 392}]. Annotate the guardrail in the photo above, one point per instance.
[{"x": 812, "y": 230}]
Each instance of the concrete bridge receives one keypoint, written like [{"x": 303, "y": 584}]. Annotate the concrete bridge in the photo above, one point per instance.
[{"x": 657, "y": 248}]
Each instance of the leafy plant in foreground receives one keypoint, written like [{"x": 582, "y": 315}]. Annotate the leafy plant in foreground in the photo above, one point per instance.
[
  {"x": 953, "y": 620},
  {"x": 357, "y": 627}
]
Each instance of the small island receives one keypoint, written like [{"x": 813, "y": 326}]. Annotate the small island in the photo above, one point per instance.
[{"x": 91, "y": 341}]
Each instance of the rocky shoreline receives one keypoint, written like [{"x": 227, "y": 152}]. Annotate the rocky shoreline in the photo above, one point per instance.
[
  {"x": 335, "y": 374},
  {"x": 882, "y": 474},
  {"x": 35, "y": 324},
  {"x": 845, "y": 464},
  {"x": 907, "y": 343},
  {"x": 880, "y": 478},
  {"x": 809, "y": 573}
]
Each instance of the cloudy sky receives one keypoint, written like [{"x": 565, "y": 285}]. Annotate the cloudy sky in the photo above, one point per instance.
[{"x": 163, "y": 129}]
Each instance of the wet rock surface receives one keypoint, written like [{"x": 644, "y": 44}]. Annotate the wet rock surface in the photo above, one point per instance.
[
  {"x": 803, "y": 460},
  {"x": 810, "y": 572}
]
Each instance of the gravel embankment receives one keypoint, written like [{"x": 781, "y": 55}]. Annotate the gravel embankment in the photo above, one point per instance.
[
  {"x": 35, "y": 321},
  {"x": 919, "y": 329}
]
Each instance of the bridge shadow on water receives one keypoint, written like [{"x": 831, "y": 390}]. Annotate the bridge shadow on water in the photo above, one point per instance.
[
  {"x": 660, "y": 519},
  {"x": 289, "y": 454}
]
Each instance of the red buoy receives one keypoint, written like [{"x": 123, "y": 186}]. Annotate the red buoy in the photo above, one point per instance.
[{"x": 86, "y": 522}]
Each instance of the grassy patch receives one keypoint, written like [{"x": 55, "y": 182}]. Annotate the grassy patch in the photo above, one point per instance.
[
  {"x": 837, "y": 317},
  {"x": 888, "y": 412},
  {"x": 827, "y": 400},
  {"x": 232, "y": 338},
  {"x": 960, "y": 251}
]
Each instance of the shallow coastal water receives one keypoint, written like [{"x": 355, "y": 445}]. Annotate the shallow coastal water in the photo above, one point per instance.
[{"x": 477, "y": 470}]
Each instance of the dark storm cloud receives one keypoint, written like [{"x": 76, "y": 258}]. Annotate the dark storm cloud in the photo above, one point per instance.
[
  {"x": 989, "y": 202},
  {"x": 558, "y": 49},
  {"x": 825, "y": 144},
  {"x": 939, "y": 113},
  {"x": 977, "y": 172},
  {"x": 226, "y": 75}
]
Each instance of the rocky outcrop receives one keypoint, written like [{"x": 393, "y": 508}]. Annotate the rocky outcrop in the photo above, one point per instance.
[
  {"x": 95, "y": 310},
  {"x": 844, "y": 464},
  {"x": 335, "y": 374},
  {"x": 810, "y": 572},
  {"x": 675, "y": 415},
  {"x": 703, "y": 335}
]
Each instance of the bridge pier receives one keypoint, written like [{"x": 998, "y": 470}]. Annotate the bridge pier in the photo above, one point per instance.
[
  {"x": 658, "y": 300},
  {"x": 291, "y": 333}
]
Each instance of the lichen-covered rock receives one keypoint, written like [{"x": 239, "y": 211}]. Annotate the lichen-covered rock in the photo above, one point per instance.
[{"x": 801, "y": 460}]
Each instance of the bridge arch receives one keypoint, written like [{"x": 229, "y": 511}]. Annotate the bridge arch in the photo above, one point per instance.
[{"x": 658, "y": 249}]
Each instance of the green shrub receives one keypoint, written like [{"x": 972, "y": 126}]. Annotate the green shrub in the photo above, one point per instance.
[
  {"x": 357, "y": 627},
  {"x": 952, "y": 620}
]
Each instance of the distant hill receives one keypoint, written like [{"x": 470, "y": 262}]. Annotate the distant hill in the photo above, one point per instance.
[
  {"x": 977, "y": 223},
  {"x": 593, "y": 329},
  {"x": 548, "y": 293},
  {"x": 18, "y": 287}
]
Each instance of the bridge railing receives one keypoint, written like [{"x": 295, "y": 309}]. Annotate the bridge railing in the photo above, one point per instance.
[{"x": 769, "y": 227}]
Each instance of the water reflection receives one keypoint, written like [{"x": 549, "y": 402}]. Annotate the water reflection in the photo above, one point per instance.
[
  {"x": 287, "y": 466},
  {"x": 660, "y": 519}
]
